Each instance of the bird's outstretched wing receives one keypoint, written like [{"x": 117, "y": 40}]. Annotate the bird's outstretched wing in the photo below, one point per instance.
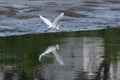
[
  {"x": 58, "y": 18},
  {"x": 45, "y": 20},
  {"x": 58, "y": 57},
  {"x": 47, "y": 51}
]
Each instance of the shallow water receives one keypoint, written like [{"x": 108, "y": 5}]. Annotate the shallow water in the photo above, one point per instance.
[{"x": 85, "y": 55}]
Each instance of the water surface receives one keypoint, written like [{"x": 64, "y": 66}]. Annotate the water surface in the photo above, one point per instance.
[
  {"x": 85, "y": 55},
  {"x": 18, "y": 18}
]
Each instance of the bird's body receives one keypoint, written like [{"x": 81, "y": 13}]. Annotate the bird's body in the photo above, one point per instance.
[
  {"x": 53, "y": 49},
  {"x": 54, "y": 24}
]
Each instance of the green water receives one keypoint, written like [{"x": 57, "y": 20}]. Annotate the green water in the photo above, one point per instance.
[{"x": 19, "y": 56}]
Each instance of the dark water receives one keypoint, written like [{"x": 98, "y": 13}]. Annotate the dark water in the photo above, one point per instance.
[{"x": 87, "y": 55}]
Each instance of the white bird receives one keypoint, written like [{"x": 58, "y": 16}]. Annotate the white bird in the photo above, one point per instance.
[
  {"x": 54, "y": 24},
  {"x": 53, "y": 49}
]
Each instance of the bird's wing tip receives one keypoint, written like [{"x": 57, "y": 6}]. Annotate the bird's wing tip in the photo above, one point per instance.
[{"x": 40, "y": 16}]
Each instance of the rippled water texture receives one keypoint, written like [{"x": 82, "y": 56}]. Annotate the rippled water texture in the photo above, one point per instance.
[
  {"x": 84, "y": 55},
  {"x": 84, "y": 48},
  {"x": 18, "y": 17}
]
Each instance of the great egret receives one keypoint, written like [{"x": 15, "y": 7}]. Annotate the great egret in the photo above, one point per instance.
[
  {"x": 53, "y": 49},
  {"x": 54, "y": 24}
]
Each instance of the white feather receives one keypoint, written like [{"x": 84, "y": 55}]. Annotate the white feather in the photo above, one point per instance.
[
  {"x": 53, "y": 24},
  {"x": 53, "y": 49},
  {"x": 45, "y": 20}
]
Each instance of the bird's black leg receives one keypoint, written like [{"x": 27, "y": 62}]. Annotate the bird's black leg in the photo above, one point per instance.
[
  {"x": 108, "y": 26},
  {"x": 47, "y": 30}
]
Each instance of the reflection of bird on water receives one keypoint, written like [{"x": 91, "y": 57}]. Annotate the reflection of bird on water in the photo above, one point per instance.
[
  {"x": 53, "y": 49},
  {"x": 53, "y": 24}
]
